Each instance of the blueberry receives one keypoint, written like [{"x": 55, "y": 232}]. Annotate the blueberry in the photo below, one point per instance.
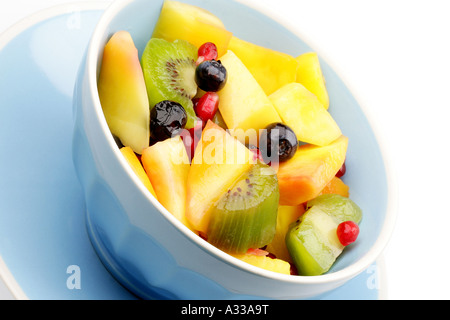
[
  {"x": 210, "y": 75},
  {"x": 167, "y": 119},
  {"x": 278, "y": 143}
]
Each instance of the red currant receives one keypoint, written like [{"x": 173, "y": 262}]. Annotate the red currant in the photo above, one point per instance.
[
  {"x": 207, "y": 51},
  {"x": 347, "y": 232},
  {"x": 207, "y": 106}
]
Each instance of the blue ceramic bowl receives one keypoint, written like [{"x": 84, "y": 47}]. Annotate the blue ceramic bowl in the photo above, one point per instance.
[{"x": 143, "y": 245}]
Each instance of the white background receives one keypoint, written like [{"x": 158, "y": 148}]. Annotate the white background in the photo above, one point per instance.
[{"x": 395, "y": 57}]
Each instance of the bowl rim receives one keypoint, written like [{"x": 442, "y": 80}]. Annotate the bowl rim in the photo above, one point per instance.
[{"x": 95, "y": 48}]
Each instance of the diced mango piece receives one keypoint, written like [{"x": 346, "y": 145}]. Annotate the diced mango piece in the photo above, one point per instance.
[
  {"x": 304, "y": 176},
  {"x": 167, "y": 166},
  {"x": 309, "y": 73},
  {"x": 122, "y": 92},
  {"x": 272, "y": 69},
  {"x": 336, "y": 186}
]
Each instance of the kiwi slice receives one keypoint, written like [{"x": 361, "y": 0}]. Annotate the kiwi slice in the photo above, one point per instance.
[
  {"x": 312, "y": 240},
  {"x": 246, "y": 215},
  {"x": 341, "y": 208},
  {"x": 169, "y": 73}
]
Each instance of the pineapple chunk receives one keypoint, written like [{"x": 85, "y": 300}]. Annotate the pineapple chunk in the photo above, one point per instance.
[
  {"x": 305, "y": 115},
  {"x": 243, "y": 103},
  {"x": 309, "y": 74},
  {"x": 286, "y": 216},
  {"x": 267, "y": 263},
  {"x": 179, "y": 20},
  {"x": 137, "y": 167},
  {"x": 272, "y": 69}
]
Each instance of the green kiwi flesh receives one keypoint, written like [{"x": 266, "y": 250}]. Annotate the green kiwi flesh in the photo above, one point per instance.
[
  {"x": 169, "y": 73},
  {"x": 341, "y": 208},
  {"x": 245, "y": 216},
  {"x": 312, "y": 241}
]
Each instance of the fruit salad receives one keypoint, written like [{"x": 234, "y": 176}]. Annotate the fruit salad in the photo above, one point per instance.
[{"x": 234, "y": 139}]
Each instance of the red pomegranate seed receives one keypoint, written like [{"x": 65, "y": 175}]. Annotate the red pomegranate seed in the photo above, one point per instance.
[
  {"x": 191, "y": 137},
  {"x": 293, "y": 270},
  {"x": 207, "y": 106},
  {"x": 195, "y": 102},
  {"x": 207, "y": 51},
  {"x": 347, "y": 232},
  {"x": 341, "y": 171}
]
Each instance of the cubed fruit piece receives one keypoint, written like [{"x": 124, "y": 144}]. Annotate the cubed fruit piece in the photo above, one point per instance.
[
  {"x": 137, "y": 167},
  {"x": 304, "y": 176},
  {"x": 245, "y": 216},
  {"x": 286, "y": 216},
  {"x": 272, "y": 69},
  {"x": 243, "y": 104},
  {"x": 309, "y": 73},
  {"x": 167, "y": 166},
  {"x": 219, "y": 159},
  {"x": 313, "y": 243},
  {"x": 267, "y": 263},
  {"x": 313, "y": 240},
  {"x": 336, "y": 186},
  {"x": 303, "y": 112},
  {"x": 183, "y": 21},
  {"x": 337, "y": 206},
  {"x": 123, "y": 94}
]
